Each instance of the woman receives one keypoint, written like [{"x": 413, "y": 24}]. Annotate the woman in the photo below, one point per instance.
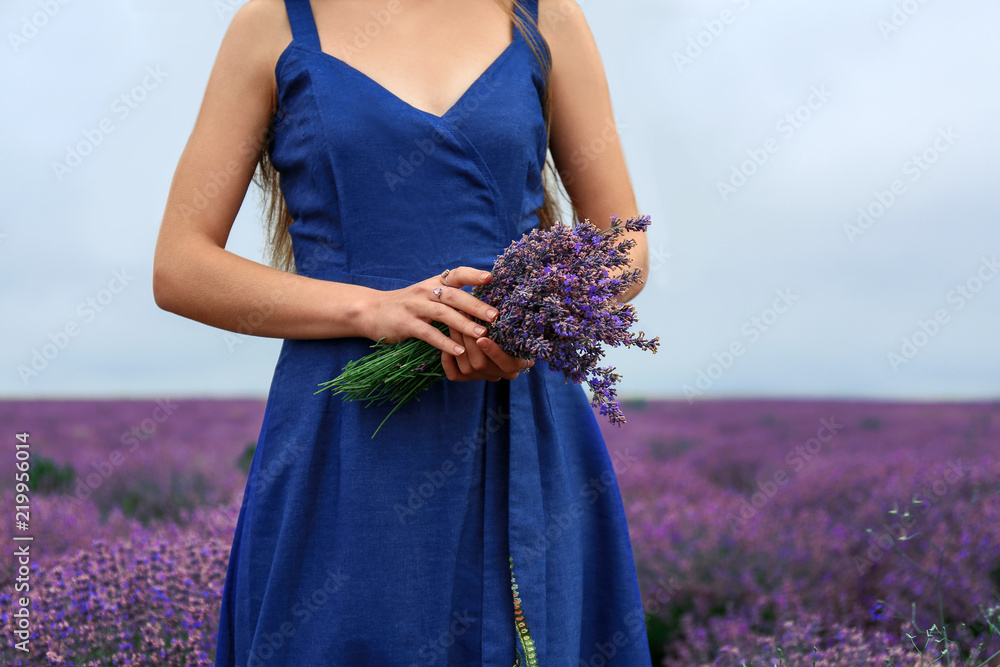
[{"x": 410, "y": 155}]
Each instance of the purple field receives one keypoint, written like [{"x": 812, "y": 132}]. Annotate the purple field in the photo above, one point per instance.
[{"x": 766, "y": 532}]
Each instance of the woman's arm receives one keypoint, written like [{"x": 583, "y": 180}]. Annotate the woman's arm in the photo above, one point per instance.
[
  {"x": 193, "y": 274},
  {"x": 196, "y": 277},
  {"x": 583, "y": 137}
]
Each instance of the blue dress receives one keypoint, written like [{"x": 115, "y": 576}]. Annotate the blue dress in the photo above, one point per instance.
[{"x": 401, "y": 550}]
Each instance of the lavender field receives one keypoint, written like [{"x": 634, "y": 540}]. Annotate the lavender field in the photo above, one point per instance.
[{"x": 766, "y": 532}]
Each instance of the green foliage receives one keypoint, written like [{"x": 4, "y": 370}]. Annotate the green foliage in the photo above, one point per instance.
[
  {"x": 246, "y": 458},
  {"x": 663, "y": 448},
  {"x": 47, "y": 476},
  {"x": 870, "y": 423},
  {"x": 636, "y": 404},
  {"x": 768, "y": 419},
  {"x": 145, "y": 500},
  {"x": 658, "y": 634}
]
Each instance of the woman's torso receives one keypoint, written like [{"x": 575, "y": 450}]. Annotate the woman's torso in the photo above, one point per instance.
[{"x": 385, "y": 194}]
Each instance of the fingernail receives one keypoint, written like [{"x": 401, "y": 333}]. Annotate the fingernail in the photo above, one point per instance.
[
  {"x": 485, "y": 275},
  {"x": 480, "y": 331},
  {"x": 459, "y": 349},
  {"x": 491, "y": 313}
]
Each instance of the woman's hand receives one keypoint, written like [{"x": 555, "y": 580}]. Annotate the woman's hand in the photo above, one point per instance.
[
  {"x": 483, "y": 360},
  {"x": 395, "y": 315}
]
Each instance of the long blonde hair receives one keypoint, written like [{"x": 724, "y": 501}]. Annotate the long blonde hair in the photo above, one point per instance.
[{"x": 278, "y": 243}]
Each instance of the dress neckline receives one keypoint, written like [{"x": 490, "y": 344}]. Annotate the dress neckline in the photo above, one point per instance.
[
  {"x": 305, "y": 36},
  {"x": 385, "y": 90}
]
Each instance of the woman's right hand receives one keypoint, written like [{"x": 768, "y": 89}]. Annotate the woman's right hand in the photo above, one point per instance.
[{"x": 395, "y": 315}]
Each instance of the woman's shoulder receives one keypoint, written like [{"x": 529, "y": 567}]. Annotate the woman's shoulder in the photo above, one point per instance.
[
  {"x": 261, "y": 18},
  {"x": 564, "y": 27},
  {"x": 559, "y": 14},
  {"x": 261, "y": 11},
  {"x": 261, "y": 27},
  {"x": 258, "y": 33}
]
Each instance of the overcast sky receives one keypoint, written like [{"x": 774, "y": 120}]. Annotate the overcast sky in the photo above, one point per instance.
[{"x": 822, "y": 180}]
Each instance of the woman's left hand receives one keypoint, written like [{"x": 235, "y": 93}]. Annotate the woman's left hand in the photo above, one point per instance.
[{"x": 483, "y": 360}]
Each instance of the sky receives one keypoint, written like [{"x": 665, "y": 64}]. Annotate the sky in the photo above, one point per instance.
[{"x": 821, "y": 179}]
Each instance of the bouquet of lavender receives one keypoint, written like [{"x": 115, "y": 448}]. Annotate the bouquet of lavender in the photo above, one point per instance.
[{"x": 556, "y": 298}]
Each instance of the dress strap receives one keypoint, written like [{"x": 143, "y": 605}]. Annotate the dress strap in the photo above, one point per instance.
[
  {"x": 300, "y": 16},
  {"x": 530, "y": 8}
]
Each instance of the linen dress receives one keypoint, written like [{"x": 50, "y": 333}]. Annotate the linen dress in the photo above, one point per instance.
[{"x": 483, "y": 524}]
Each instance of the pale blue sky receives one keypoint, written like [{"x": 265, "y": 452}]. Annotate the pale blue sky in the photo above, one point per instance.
[{"x": 754, "y": 133}]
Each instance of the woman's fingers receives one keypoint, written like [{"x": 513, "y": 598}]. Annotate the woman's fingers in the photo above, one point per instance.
[
  {"x": 479, "y": 362},
  {"x": 449, "y": 292},
  {"x": 466, "y": 275},
  {"x": 507, "y": 364},
  {"x": 431, "y": 334},
  {"x": 432, "y": 311},
  {"x": 483, "y": 360},
  {"x": 462, "y": 361},
  {"x": 450, "y": 366},
  {"x": 461, "y": 300},
  {"x": 475, "y": 364},
  {"x": 465, "y": 358},
  {"x": 466, "y": 353},
  {"x": 405, "y": 313}
]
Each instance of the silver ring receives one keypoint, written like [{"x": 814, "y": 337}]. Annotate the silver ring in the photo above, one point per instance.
[
  {"x": 444, "y": 276},
  {"x": 437, "y": 292}
]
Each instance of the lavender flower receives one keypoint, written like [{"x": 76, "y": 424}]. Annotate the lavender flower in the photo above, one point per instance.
[
  {"x": 556, "y": 294},
  {"x": 557, "y": 302}
]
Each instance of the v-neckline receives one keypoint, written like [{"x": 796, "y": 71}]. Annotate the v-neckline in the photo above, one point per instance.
[{"x": 489, "y": 68}]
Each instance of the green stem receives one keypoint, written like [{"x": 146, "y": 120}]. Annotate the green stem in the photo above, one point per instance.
[{"x": 394, "y": 373}]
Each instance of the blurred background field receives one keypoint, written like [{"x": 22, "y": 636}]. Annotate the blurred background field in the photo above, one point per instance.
[{"x": 749, "y": 522}]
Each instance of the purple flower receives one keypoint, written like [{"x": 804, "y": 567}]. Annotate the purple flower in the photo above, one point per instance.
[{"x": 564, "y": 311}]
